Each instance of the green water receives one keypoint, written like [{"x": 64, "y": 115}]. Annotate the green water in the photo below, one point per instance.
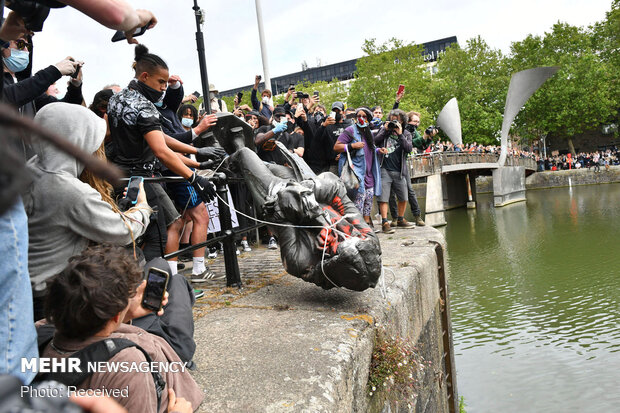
[{"x": 535, "y": 300}]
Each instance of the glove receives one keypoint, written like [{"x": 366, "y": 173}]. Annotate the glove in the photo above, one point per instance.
[
  {"x": 281, "y": 127},
  {"x": 66, "y": 67},
  {"x": 211, "y": 152},
  {"x": 207, "y": 164},
  {"x": 203, "y": 187}
]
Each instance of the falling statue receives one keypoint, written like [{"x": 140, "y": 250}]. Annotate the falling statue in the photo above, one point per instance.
[{"x": 323, "y": 238}]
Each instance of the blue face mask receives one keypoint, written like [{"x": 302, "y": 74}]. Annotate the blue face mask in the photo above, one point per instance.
[
  {"x": 18, "y": 60},
  {"x": 187, "y": 122},
  {"x": 159, "y": 104}
]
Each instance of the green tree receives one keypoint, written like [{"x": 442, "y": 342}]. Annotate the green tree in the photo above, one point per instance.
[
  {"x": 478, "y": 77},
  {"x": 383, "y": 69},
  {"x": 582, "y": 95}
]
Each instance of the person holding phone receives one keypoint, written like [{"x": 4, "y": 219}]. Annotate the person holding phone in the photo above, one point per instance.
[
  {"x": 265, "y": 106},
  {"x": 66, "y": 214},
  {"x": 28, "y": 93},
  {"x": 116, "y": 293}
]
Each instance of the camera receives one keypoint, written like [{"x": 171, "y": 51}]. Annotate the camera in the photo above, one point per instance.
[
  {"x": 393, "y": 124},
  {"x": 33, "y": 13},
  {"x": 429, "y": 131},
  {"x": 302, "y": 95}
]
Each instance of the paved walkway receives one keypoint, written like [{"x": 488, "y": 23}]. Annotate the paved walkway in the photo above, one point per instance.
[{"x": 259, "y": 268}]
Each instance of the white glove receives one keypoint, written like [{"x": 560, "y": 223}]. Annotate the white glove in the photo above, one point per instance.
[{"x": 66, "y": 67}]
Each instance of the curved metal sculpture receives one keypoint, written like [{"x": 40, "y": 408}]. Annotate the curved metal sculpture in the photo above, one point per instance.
[
  {"x": 522, "y": 85},
  {"x": 449, "y": 120},
  {"x": 322, "y": 235}
]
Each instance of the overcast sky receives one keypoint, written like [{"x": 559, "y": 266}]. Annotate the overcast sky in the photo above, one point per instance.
[{"x": 331, "y": 31}]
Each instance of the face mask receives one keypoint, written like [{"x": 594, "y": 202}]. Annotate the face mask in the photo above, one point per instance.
[
  {"x": 18, "y": 60},
  {"x": 211, "y": 95},
  {"x": 319, "y": 117},
  {"x": 338, "y": 117},
  {"x": 266, "y": 100},
  {"x": 290, "y": 127},
  {"x": 187, "y": 122},
  {"x": 147, "y": 91},
  {"x": 362, "y": 122}
]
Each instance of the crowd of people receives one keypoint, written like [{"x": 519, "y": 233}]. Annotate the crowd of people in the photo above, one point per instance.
[
  {"x": 598, "y": 160},
  {"x": 77, "y": 252}
]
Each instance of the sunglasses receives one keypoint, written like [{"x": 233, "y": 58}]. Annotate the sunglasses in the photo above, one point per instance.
[{"x": 22, "y": 44}]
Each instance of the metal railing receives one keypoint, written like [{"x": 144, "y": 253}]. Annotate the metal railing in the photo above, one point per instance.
[
  {"x": 227, "y": 233},
  {"x": 426, "y": 164}
]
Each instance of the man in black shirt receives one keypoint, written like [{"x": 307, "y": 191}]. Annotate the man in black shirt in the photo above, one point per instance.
[{"x": 333, "y": 126}]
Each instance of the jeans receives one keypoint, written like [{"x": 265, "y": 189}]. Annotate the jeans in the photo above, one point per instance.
[{"x": 18, "y": 336}]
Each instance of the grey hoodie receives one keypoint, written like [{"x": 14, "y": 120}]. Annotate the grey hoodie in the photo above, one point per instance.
[{"x": 64, "y": 213}]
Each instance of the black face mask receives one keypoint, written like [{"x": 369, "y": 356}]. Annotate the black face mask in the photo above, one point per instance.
[
  {"x": 146, "y": 91},
  {"x": 290, "y": 127},
  {"x": 319, "y": 117},
  {"x": 338, "y": 117}
]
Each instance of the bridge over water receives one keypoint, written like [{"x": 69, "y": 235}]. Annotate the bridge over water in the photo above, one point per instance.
[{"x": 450, "y": 178}]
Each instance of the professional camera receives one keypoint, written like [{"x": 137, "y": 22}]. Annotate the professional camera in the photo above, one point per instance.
[
  {"x": 392, "y": 124},
  {"x": 430, "y": 129},
  {"x": 33, "y": 12},
  {"x": 302, "y": 95}
]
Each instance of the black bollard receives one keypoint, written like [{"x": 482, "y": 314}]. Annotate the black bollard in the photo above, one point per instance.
[{"x": 233, "y": 276}]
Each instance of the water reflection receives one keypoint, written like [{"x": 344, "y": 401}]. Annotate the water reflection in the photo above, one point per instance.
[{"x": 536, "y": 301}]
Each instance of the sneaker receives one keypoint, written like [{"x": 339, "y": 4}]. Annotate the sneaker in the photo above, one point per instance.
[
  {"x": 418, "y": 221},
  {"x": 404, "y": 224},
  {"x": 237, "y": 251},
  {"x": 212, "y": 255},
  {"x": 387, "y": 229},
  {"x": 198, "y": 293},
  {"x": 245, "y": 246},
  {"x": 394, "y": 223},
  {"x": 273, "y": 244},
  {"x": 206, "y": 276}
]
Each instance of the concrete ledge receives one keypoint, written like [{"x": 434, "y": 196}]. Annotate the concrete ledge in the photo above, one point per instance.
[{"x": 293, "y": 347}]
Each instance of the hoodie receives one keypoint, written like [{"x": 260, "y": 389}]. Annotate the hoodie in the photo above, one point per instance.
[{"x": 64, "y": 213}]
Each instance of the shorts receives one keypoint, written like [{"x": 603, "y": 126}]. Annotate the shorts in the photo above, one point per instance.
[
  {"x": 183, "y": 195},
  {"x": 392, "y": 182},
  {"x": 157, "y": 197}
]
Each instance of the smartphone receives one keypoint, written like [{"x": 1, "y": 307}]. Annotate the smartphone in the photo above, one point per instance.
[
  {"x": 239, "y": 96},
  {"x": 77, "y": 72},
  {"x": 156, "y": 284},
  {"x": 300, "y": 106},
  {"x": 259, "y": 77},
  {"x": 133, "y": 189},
  {"x": 120, "y": 35},
  {"x": 332, "y": 114},
  {"x": 197, "y": 94},
  {"x": 401, "y": 89},
  {"x": 316, "y": 93}
]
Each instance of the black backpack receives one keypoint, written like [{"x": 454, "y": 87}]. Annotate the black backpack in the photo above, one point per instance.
[{"x": 100, "y": 351}]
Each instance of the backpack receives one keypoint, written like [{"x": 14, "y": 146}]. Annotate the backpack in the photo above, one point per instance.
[{"x": 100, "y": 351}]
